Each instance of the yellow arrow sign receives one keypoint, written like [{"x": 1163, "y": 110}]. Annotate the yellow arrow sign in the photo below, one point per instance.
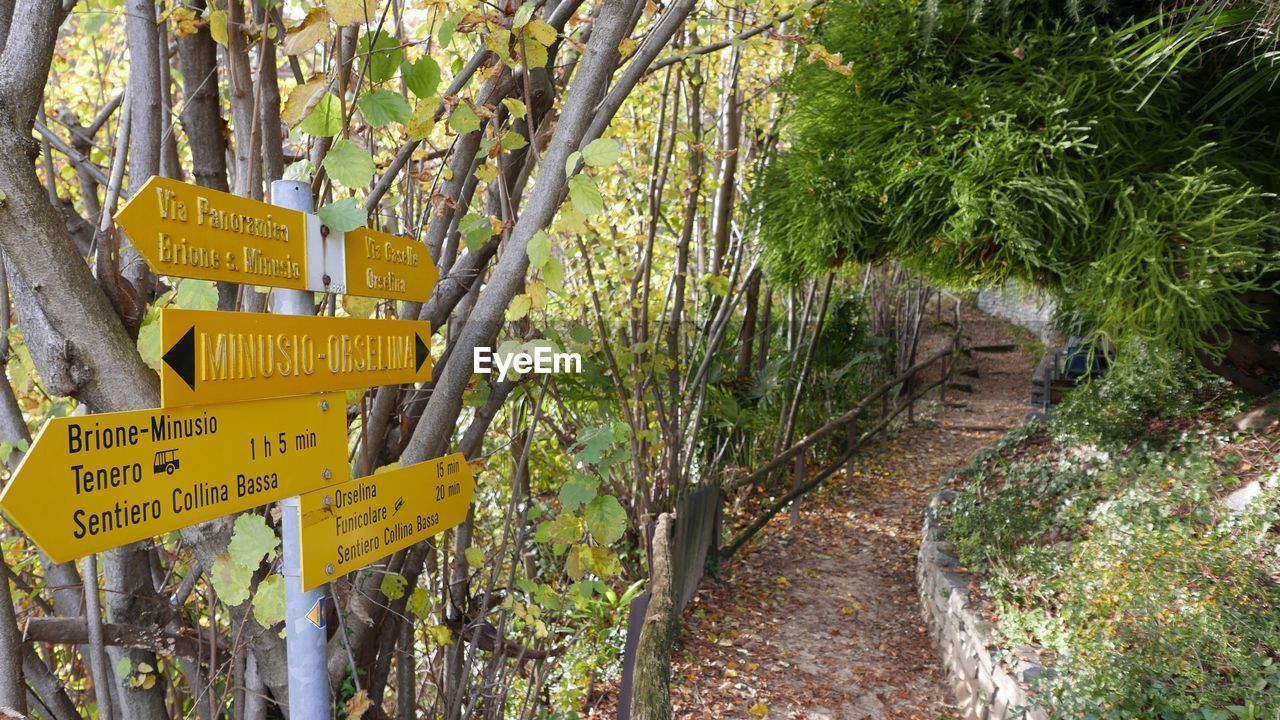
[
  {"x": 95, "y": 482},
  {"x": 212, "y": 357},
  {"x": 189, "y": 231},
  {"x": 383, "y": 265},
  {"x": 348, "y": 526}
]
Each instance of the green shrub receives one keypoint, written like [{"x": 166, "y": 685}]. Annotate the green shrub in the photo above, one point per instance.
[
  {"x": 1118, "y": 408},
  {"x": 1157, "y": 602}
]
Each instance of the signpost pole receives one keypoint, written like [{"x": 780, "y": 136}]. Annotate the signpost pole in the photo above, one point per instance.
[{"x": 304, "y": 610}]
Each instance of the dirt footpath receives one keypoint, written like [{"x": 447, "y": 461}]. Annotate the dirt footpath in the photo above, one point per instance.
[{"x": 823, "y": 621}]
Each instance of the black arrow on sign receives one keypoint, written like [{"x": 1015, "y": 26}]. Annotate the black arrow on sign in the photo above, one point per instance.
[
  {"x": 420, "y": 351},
  {"x": 182, "y": 358}
]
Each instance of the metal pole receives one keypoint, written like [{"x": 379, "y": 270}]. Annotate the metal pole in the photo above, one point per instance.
[{"x": 304, "y": 610}]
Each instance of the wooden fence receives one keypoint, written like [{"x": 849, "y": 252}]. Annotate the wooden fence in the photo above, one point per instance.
[{"x": 686, "y": 542}]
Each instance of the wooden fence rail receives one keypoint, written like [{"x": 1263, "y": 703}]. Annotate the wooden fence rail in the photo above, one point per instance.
[{"x": 687, "y": 541}]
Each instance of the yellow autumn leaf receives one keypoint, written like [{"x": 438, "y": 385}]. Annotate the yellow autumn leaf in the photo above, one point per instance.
[
  {"x": 302, "y": 37},
  {"x": 357, "y": 705},
  {"x": 218, "y": 26},
  {"x": 759, "y": 710},
  {"x": 303, "y": 99},
  {"x": 422, "y": 120},
  {"x": 519, "y": 307},
  {"x": 540, "y": 31},
  {"x": 537, "y": 292},
  {"x": 349, "y": 12},
  {"x": 185, "y": 22}
]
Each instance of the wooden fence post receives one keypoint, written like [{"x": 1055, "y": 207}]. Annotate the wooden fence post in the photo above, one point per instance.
[
  {"x": 797, "y": 479},
  {"x": 853, "y": 438},
  {"x": 884, "y": 415},
  {"x": 911, "y": 399},
  {"x": 946, "y": 363}
]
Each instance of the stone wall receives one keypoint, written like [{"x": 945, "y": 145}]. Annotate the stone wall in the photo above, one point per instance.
[
  {"x": 983, "y": 685},
  {"x": 1024, "y": 307}
]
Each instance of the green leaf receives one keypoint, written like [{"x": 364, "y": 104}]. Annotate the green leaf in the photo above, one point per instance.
[
  {"x": 325, "y": 119},
  {"x": 393, "y": 585},
  {"x": 601, "y": 152},
  {"x": 475, "y": 230},
  {"x": 125, "y": 666},
  {"x": 577, "y": 492},
  {"x": 606, "y": 519},
  {"x": 475, "y": 556},
  {"x": 565, "y": 529},
  {"x": 519, "y": 307},
  {"x": 381, "y": 107},
  {"x": 585, "y": 196},
  {"x": 419, "y": 603},
  {"x": 349, "y": 164},
  {"x": 268, "y": 601},
  {"x": 515, "y": 107},
  {"x": 343, "y": 215},
  {"x": 512, "y": 140},
  {"x": 464, "y": 120},
  {"x": 197, "y": 295},
  {"x": 231, "y": 580},
  {"x": 384, "y": 55},
  {"x": 301, "y": 170},
  {"x": 422, "y": 76},
  {"x": 444, "y": 35},
  {"x": 571, "y": 163},
  {"x": 251, "y": 541},
  {"x": 580, "y": 333},
  {"x": 523, "y": 14},
  {"x": 91, "y": 23},
  {"x": 539, "y": 250},
  {"x": 553, "y": 274},
  {"x": 148, "y": 346}
]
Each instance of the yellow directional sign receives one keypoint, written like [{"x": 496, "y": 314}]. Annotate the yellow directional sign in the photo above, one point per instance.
[
  {"x": 95, "y": 482},
  {"x": 348, "y": 526},
  {"x": 189, "y": 231},
  {"x": 383, "y": 265},
  {"x": 212, "y": 357}
]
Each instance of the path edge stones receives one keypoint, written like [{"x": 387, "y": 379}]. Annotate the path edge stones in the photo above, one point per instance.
[{"x": 981, "y": 682}]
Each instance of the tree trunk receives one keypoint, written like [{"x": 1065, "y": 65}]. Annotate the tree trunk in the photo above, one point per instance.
[
  {"x": 651, "y": 678},
  {"x": 13, "y": 693},
  {"x": 146, "y": 126}
]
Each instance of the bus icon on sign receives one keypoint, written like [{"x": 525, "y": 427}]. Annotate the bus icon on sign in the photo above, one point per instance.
[{"x": 166, "y": 461}]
